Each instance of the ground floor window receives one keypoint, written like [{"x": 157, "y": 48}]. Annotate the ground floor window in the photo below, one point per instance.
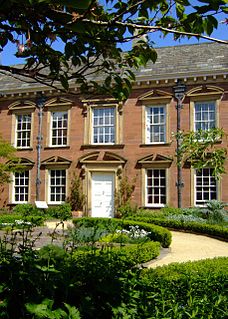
[
  {"x": 57, "y": 186},
  {"x": 205, "y": 186},
  {"x": 21, "y": 187},
  {"x": 156, "y": 187}
]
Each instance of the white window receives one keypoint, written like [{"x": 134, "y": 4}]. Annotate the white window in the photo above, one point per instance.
[
  {"x": 205, "y": 186},
  {"x": 103, "y": 125},
  {"x": 57, "y": 186},
  {"x": 21, "y": 187},
  {"x": 23, "y": 131},
  {"x": 155, "y": 124},
  {"x": 156, "y": 187},
  {"x": 59, "y": 127},
  {"x": 204, "y": 116}
]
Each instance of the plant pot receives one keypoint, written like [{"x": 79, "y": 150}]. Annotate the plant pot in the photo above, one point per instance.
[{"x": 77, "y": 213}]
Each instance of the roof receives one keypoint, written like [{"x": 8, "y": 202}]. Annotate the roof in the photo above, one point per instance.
[
  {"x": 172, "y": 62},
  {"x": 188, "y": 60}
]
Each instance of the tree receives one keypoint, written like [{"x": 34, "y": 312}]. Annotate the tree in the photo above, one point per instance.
[
  {"x": 93, "y": 34},
  {"x": 200, "y": 150},
  {"x": 8, "y": 162}
]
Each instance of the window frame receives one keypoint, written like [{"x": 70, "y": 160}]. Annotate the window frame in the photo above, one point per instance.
[
  {"x": 103, "y": 126},
  {"x": 158, "y": 205},
  {"x": 217, "y": 186},
  {"x": 88, "y": 108},
  {"x": 194, "y": 113},
  {"x": 15, "y": 114},
  {"x": 57, "y": 105},
  {"x": 48, "y": 185},
  {"x": 202, "y": 97},
  {"x": 14, "y": 201},
  {"x": 156, "y": 102},
  {"x": 51, "y": 129},
  {"x": 148, "y": 132}
]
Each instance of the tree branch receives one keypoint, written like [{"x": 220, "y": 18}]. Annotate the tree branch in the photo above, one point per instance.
[{"x": 155, "y": 28}]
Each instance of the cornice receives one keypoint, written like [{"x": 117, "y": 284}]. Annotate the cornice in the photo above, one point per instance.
[{"x": 140, "y": 82}]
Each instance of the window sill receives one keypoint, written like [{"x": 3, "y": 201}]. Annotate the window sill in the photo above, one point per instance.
[
  {"x": 56, "y": 147},
  {"x": 154, "y": 206},
  {"x": 155, "y": 144},
  {"x": 98, "y": 146},
  {"x": 24, "y": 149}
]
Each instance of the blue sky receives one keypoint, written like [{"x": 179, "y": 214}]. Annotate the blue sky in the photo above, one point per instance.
[{"x": 7, "y": 57}]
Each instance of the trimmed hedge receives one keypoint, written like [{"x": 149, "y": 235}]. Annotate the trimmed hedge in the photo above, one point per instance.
[
  {"x": 157, "y": 233},
  {"x": 215, "y": 231},
  {"x": 187, "y": 290},
  {"x": 131, "y": 255},
  {"x": 11, "y": 218}
]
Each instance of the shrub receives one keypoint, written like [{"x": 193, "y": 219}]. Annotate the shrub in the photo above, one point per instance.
[
  {"x": 157, "y": 233},
  {"x": 26, "y": 210},
  {"x": 215, "y": 212},
  {"x": 215, "y": 231},
  {"x": 77, "y": 198},
  {"x": 62, "y": 212},
  {"x": 190, "y": 290},
  {"x": 13, "y": 220}
]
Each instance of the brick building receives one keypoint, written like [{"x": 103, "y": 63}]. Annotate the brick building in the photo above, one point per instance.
[{"x": 103, "y": 140}]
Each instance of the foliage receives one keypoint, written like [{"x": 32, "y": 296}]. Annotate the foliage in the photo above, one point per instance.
[
  {"x": 92, "y": 35},
  {"x": 156, "y": 233},
  {"x": 199, "y": 149},
  {"x": 61, "y": 212},
  {"x": 26, "y": 210},
  {"x": 76, "y": 198},
  {"x": 216, "y": 231},
  {"x": 190, "y": 290},
  {"x": 13, "y": 221},
  {"x": 106, "y": 283},
  {"x": 45, "y": 310},
  {"x": 134, "y": 235},
  {"x": 8, "y": 162},
  {"x": 215, "y": 212},
  {"x": 123, "y": 196}
]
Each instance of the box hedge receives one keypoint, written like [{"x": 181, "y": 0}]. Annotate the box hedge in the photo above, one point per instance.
[
  {"x": 215, "y": 231},
  {"x": 187, "y": 290}
]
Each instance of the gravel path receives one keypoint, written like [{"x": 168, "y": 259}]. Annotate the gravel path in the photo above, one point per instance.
[{"x": 189, "y": 247}]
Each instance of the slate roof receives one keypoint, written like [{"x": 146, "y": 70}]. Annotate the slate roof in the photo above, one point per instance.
[
  {"x": 188, "y": 60},
  {"x": 173, "y": 62}
]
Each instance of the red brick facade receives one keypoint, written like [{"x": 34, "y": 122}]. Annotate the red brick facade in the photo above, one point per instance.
[{"x": 130, "y": 154}]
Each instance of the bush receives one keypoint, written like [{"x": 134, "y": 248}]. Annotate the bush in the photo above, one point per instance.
[
  {"x": 15, "y": 221},
  {"x": 62, "y": 212},
  {"x": 26, "y": 210},
  {"x": 157, "y": 233},
  {"x": 215, "y": 231},
  {"x": 190, "y": 290}
]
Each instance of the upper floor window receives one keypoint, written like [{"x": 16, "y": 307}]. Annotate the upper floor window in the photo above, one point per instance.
[
  {"x": 103, "y": 130},
  {"x": 155, "y": 124},
  {"x": 156, "y": 187},
  {"x": 21, "y": 187},
  {"x": 59, "y": 125},
  {"x": 204, "y": 116},
  {"x": 205, "y": 186},
  {"x": 57, "y": 186},
  {"x": 23, "y": 131}
]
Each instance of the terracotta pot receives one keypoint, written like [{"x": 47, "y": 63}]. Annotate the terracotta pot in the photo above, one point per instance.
[{"x": 77, "y": 213}]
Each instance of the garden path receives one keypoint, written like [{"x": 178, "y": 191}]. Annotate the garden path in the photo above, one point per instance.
[{"x": 189, "y": 247}]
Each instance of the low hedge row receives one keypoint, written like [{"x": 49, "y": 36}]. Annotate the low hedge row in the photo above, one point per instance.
[
  {"x": 12, "y": 218},
  {"x": 157, "y": 233},
  {"x": 131, "y": 255},
  {"x": 186, "y": 290},
  {"x": 215, "y": 231}
]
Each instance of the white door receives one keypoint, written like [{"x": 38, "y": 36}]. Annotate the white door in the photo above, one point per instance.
[{"x": 102, "y": 194}]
